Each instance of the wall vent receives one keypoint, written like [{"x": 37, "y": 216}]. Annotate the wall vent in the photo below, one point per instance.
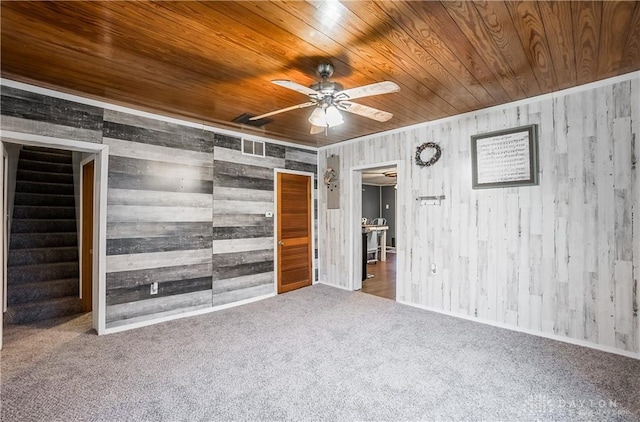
[
  {"x": 244, "y": 120},
  {"x": 250, "y": 147}
]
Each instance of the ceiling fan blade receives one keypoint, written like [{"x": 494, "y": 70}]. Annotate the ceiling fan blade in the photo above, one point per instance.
[
  {"x": 366, "y": 111},
  {"x": 282, "y": 110},
  {"x": 316, "y": 129},
  {"x": 378, "y": 88},
  {"x": 295, "y": 86}
]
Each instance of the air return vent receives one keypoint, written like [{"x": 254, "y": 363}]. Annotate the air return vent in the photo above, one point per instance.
[
  {"x": 253, "y": 147},
  {"x": 244, "y": 120}
]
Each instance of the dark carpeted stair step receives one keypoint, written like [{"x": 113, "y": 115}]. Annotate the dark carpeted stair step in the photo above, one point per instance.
[
  {"x": 44, "y": 166},
  {"x": 49, "y": 155},
  {"x": 43, "y": 226},
  {"x": 48, "y": 188},
  {"x": 42, "y": 272},
  {"x": 42, "y": 240},
  {"x": 41, "y": 199},
  {"x": 34, "y": 212},
  {"x": 43, "y": 290},
  {"x": 37, "y": 311},
  {"x": 46, "y": 149},
  {"x": 42, "y": 176},
  {"x": 42, "y": 256}
]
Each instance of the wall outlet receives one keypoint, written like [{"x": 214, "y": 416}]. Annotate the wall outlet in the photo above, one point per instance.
[
  {"x": 434, "y": 269},
  {"x": 154, "y": 288},
  {"x": 268, "y": 214}
]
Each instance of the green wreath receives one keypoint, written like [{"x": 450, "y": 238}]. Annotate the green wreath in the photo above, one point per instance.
[{"x": 433, "y": 159}]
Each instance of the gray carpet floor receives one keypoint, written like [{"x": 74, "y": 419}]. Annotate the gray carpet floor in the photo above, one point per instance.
[{"x": 317, "y": 353}]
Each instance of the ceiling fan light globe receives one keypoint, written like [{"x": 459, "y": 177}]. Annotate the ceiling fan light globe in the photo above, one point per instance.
[
  {"x": 333, "y": 117},
  {"x": 318, "y": 118}
]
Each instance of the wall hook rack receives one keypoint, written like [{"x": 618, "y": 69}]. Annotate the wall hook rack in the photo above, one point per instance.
[{"x": 430, "y": 200}]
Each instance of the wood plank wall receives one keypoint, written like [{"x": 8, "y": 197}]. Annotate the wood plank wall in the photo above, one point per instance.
[
  {"x": 29, "y": 112},
  {"x": 561, "y": 258},
  {"x": 243, "y": 237},
  {"x": 159, "y": 217},
  {"x": 185, "y": 207}
]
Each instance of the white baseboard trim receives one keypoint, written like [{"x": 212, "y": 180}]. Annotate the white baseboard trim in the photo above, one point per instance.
[
  {"x": 185, "y": 314},
  {"x": 556, "y": 337}
]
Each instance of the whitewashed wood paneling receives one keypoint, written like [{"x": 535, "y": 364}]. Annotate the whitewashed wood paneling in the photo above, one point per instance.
[
  {"x": 236, "y": 156},
  {"x": 17, "y": 124},
  {"x": 242, "y": 294},
  {"x": 117, "y": 263},
  {"x": 243, "y": 282},
  {"x": 307, "y": 157},
  {"x": 635, "y": 129},
  {"x": 224, "y": 193},
  {"x": 560, "y": 258},
  {"x": 242, "y": 245},
  {"x": 243, "y": 206},
  {"x": 123, "y": 213},
  {"x": 134, "y": 312},
  {"x": 136, "y": 150},
  {"x": 156, "y": 198}
]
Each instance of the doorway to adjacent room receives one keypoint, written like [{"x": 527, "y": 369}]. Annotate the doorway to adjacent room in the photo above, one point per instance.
[
  {"x": 379, "y": 192},
  {"x": 42, "y": 253}
]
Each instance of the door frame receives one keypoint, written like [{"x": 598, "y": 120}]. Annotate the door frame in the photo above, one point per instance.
[
  {"x": 101, "y": 167},
  {"x": 81, "y": 218},
  {"x": 355, "y": 227},
  {"x": 276, "y": 222},
  {"x": 6, "y": 228},
  {"x": 3, "y": 237}
]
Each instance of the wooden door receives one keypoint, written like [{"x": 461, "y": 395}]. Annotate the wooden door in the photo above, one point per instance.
[
  {"x": 294, "y": 231},
  {"x": 3, "y": 235},
  {"x": 87, "y": 235}
]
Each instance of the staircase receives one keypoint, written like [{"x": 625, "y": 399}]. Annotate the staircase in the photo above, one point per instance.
[{"x": 42, "y": 268}]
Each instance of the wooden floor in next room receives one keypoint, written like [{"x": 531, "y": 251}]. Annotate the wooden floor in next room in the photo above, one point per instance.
[{"x": 383, "y": 283}]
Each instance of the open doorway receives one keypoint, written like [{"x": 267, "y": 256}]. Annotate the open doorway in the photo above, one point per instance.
[
  {"x": 45, "y": 276},
  {"x": 379, "y": 193}
]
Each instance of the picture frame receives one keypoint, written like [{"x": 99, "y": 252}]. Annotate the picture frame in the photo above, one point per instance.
[{"x": 505, "y": 158}]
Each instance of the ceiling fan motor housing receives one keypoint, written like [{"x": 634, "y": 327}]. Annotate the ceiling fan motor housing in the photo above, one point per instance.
[
  {"x": 325, "y": 70},
  {"x": 327, "y": 87}
]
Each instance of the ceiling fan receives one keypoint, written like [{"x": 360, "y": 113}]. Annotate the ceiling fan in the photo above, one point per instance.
[{"x": 329, "y": 98}]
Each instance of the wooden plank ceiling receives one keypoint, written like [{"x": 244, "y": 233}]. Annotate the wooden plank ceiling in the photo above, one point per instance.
[{"x": 213, "y": 61}]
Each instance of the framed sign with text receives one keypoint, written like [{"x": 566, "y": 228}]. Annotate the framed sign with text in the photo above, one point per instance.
[{"x": 505, "y": 158}]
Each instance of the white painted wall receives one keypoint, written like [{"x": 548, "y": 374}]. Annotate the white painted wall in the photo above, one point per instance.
[{"x": 561, "y": 259}]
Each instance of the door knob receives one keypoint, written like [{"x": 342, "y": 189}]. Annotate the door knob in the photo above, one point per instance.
[{"x": 280, "y": 242}]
